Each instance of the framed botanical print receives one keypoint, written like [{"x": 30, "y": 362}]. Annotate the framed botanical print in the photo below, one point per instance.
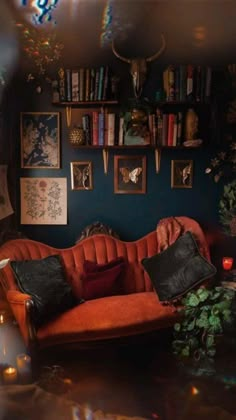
[
  {"x": 81, "y": 175},
  {"x": 129, "y": 174},
  {"x": 181, "y": 174},
  {"x": 40, "y": 140},
  {"x": 43, "y": 201}
]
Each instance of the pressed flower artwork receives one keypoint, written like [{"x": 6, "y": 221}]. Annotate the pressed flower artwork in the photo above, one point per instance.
[{"x": 43, "y": 201}]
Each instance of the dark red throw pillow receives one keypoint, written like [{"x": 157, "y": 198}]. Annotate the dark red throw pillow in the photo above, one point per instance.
[
  {"x": 100, "y": 280},
  {"x": 90, "y": 266}
]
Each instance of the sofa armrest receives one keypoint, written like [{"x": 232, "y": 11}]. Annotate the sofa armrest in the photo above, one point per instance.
[{"x": 22, "y": 307}]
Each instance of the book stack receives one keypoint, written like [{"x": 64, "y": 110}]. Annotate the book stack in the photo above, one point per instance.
[
  {"x": 166, "y": 128},
  {"x": 187, "y": 82},
  {"x": 100, "y": 128}
]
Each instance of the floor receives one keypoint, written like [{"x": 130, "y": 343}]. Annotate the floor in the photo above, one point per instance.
[
  {"x": 136, "y": 379},
  {"x": 144, "y": 381}
]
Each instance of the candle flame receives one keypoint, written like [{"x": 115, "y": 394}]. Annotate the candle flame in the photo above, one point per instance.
[{"x": 194, "y": 390}]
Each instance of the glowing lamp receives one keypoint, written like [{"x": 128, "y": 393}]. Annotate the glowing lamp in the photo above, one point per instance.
[{"x": 227, "y": 263}]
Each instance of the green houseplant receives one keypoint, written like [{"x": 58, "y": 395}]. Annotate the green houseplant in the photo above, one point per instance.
[{"x": 205, "y": 315}]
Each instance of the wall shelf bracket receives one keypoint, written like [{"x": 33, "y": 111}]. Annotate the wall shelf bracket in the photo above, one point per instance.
[
  {"x": 157, "y": 160},
  {"x": 68, "y": 116},
  {"x": 105, "y": 155}
]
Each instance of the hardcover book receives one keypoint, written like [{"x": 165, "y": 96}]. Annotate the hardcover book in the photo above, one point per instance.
[
  {"x": 75, "y": 85},
  {"x": 68, "y": 86},
  {"x": 62, "y": 84},
  {"x": 100, "y": 83},
  {"x": 95, "y": 127},
  {"x": 101, "y": 128},
  {"x": 111, "y": 129},
  {"x": 86, "y": 124},
  {"x": 81, "y": 84}
]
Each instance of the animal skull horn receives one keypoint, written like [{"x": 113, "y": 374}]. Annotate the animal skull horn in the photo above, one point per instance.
[{"x": 138, "y": 66}]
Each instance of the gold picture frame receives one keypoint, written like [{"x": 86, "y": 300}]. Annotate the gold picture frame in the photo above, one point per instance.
[
  {"x": 40, "y": 140},
  {"x": 129, "y": 174},
  {"x": 182, "y": 173},
  {"x": 81, "y": 175}
]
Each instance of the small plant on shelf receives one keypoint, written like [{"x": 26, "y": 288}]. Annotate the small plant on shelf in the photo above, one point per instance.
[{"x": 205, "y": 315}]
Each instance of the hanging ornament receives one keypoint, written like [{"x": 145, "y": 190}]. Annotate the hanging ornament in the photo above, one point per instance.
[{"x": 42, "y": 49}]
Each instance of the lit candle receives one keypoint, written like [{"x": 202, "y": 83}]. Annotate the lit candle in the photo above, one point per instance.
[
  {"x": 23, "y": 362},
  {"x": 10, "y": 375},
  {"x": 2, "y": 318},
  {"x": 227, "y": 263}
]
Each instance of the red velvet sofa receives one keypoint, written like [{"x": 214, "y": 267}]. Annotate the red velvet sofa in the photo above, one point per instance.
[{"x": 137, "y": 311}]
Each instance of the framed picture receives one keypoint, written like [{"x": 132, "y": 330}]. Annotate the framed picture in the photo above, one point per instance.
[
  {"x": 81, "y": 175},
  {"x": 129, "y": 174},
  {"x": 181, "y": 174},
  {"x": 43, "y": 201},
  {"x": 40, "y": 140}
]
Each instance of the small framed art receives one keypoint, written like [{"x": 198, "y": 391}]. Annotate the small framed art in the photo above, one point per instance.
[
  {"x": 181, "y": 174},
  {"x": 81, "y": 175},
  {"x": 129, "y": 174},
  {"x": 40, "y": 140},
  {"x": 43, "y": 201}
]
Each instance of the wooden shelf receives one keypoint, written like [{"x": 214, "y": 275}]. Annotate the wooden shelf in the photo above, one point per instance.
[
  {"x": 137, "y": 146},
  {"x": 86, "y": 103}
]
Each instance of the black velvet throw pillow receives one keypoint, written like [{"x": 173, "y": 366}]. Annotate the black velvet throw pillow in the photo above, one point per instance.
[
  {"x": 178, "y": 269},
  {"x": 44, "y": 280}
]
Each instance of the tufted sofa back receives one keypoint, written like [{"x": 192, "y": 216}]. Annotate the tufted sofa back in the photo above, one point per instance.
[{"x": 102, "y": 248}]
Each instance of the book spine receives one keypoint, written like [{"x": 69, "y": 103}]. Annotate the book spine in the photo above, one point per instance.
[
  {"x": 166, "y": 84},
  {"x": 175, "y": 129},
  {"x": 183, "y": 82},
  {"x": 95, "y": 127},
  {"x": 171, "y": 119},
  {"x": 189, "y": 81},
  {"x": 75, "y": 85},
  {"x": 62, "y": 84},
  {"x": 165, "y": 130},
  {"x": 86, "y": 124},
  {"x": 81, "y": 84},
  {"x": 111, "y": 129},
  {"x": 198, "y": 79},
  {"x": 177, "y": 83},
  {"x": 179, "y": 128},
  {"x": 101, "y": 127},
  {"x": 159, "y": 117},
  {"x": 96, "y": 85},
  {"x": 100, "y": 84},
  {"x": 87, "y": 84},
  {"x": 68, "y": 85},
  {"x": 105, "y": 84},
  {"x": 171, "y": 82},
  {"x": 121, "y": 131},
  {"x": 92, "y": 84},
  {"x": 208, "y": 83}
]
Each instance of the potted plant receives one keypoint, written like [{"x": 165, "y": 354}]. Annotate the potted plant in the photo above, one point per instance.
[{"x": 205, "y": 316}]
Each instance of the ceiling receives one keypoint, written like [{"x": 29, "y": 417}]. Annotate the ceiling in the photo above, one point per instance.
[{"x": 202, "y": 30}]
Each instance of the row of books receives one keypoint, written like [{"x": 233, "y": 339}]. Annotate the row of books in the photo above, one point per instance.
[
  {"x": 107, "y": 128},
  {"x": 101, "y": 128},
  {"x": 187, "y": 82},
  {"x": 166, "y": 128},
  {"x": 84, "y": 84}
]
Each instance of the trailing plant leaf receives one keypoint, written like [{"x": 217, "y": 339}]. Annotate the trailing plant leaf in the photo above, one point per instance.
[
  {"x": 205, "y": 313},
  {"x": 193, "y": 300},
  {"x": 202, "y": 294}
]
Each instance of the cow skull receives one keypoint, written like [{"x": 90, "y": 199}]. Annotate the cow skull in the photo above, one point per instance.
[{"x": 138, "y": 67}]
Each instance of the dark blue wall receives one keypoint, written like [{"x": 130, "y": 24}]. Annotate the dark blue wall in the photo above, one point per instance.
[{"x": 130, "y": 215}]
